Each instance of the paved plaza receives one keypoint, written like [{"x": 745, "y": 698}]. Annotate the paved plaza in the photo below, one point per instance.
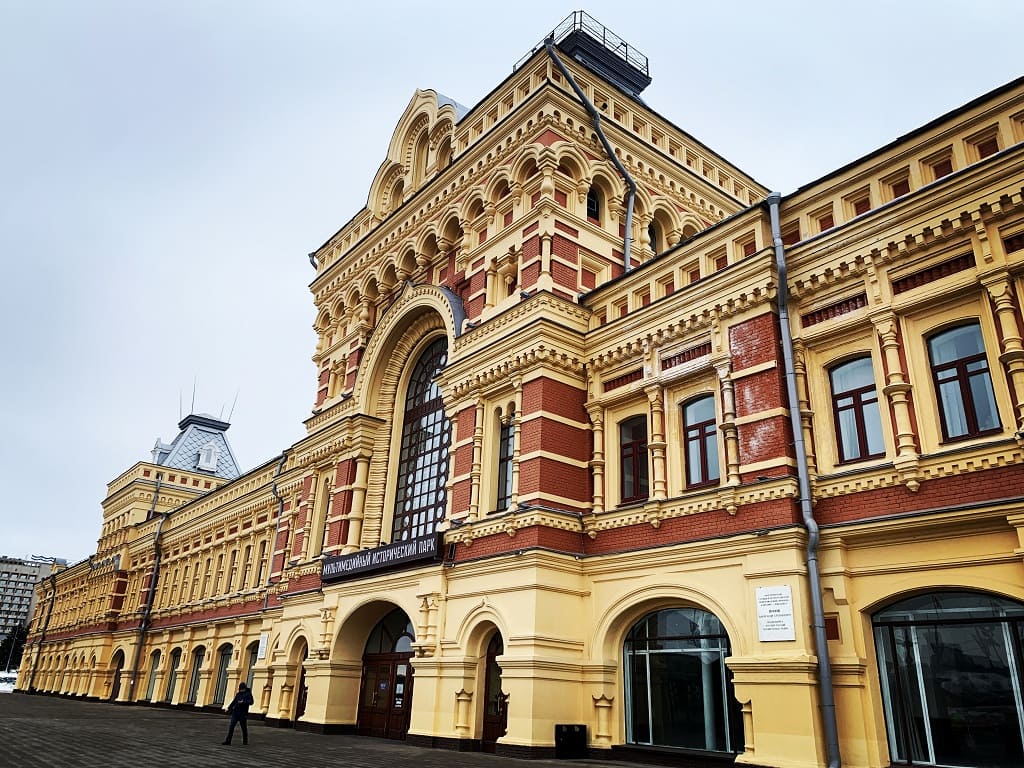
[{"x": 44, "y": 731}]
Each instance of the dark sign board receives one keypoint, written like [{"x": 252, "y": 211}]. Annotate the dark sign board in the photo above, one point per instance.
[{"x": 382, "y": 558}]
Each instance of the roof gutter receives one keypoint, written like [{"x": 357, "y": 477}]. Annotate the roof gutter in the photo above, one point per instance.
[
  {"x": 277, "y": 529},
  {"x": 825, "y": 690},
  {"x": 42, "y": 632},
  {"x": 147, "y": 609},
  {"x": 549, "y": 46}
]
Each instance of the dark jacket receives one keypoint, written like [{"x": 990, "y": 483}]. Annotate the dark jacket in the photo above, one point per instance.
[{"x": 239, "y": 705}]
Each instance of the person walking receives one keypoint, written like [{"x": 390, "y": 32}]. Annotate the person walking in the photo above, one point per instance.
[{"x": 239, "y": 711}]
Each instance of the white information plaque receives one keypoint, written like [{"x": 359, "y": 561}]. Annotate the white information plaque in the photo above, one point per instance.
[
  {"x": 775, "y": 614},
  {"x": 261, "y": 650}
]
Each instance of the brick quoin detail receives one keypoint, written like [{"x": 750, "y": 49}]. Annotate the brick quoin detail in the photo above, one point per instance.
[
  {"x": 463, "y": 459},
  {"x": 465, "y": 424},
  {"x": 764, "y": 440},
  {"x": 760, "y": 392},
  {"x": 555, "y": 437},
  {"x": 461, "y": 494},
  {"x": 754, "y": 341},
  {"x": 564, "y": 276},
  {"x": 967, "y": 488},
  {"x": 543, "y": 475},
  {"x": 554, "y": 397}
]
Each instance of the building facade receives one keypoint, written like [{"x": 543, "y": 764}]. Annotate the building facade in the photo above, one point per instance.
[
  {"x": 18, "y": 579},
  {"x": 613, "y": 452}
]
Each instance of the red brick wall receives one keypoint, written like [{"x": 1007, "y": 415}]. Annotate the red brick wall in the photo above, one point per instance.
[
  {"x": 764, "y": 440},
  {"x": 544, "y": 434},
  {"x": 759, "y": 392},
  {"x": 544, "y": 475},
  {"x": 967, "y": 488},
  {"x": 554, "y": 397},
  {"x": 754, "y": 341}
]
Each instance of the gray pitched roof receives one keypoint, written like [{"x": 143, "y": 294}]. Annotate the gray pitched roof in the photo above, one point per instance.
[{"x": 201, "y": 446}]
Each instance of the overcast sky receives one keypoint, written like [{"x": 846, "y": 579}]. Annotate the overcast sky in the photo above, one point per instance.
[{"x": 165, "y": 167}]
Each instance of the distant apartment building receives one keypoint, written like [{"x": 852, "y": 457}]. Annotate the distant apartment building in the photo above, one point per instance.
[{"x": 18, "y": 579}]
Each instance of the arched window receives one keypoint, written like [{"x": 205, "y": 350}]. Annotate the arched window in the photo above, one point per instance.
[
  {"x": 393, "y": 634},
  {"x": 963, "y": 386},
  {"x": 633, "y": 459},
  {"x": 950, "y": 670},
  {"x": 594, "y": 204},
  {"x": 506, "y": 450},
  {"x": 172, "y": 673},
  {"x": 420, "y": 497},
  {"x": 223, "y": 661},
  {"x": 678, "y": 689},
  {"x": 197, "y": 664},
  {"x": 701, "y": 435},
  {"x": 654, "y": 236},
  {"x": 855, "y": 410},
  {"x": 252, "y": 654},
  {"x": 154, "y": 665}
]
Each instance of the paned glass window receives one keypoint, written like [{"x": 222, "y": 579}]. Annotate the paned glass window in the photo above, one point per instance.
[
  {"x": 633, "y": 459},
  {"x": 855, "y": 410},
  {"x": 678, "y": 689},
  {"x": 963, "y": 386},
  {"x": 949, "y": 664},
  {"x": 420, "y": 497},
  {"x": 701, "y": 436},
  {"x": 506, "y": 450}
]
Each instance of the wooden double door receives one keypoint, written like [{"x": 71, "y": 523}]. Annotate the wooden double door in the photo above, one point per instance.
[{"x": 385, "y": 697}]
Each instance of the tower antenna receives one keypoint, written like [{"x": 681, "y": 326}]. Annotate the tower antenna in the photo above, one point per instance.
[
  {"x": 194, "y": 379},
  {"x": 233, "y": 406},
  {"x": 179, "y": 403}
]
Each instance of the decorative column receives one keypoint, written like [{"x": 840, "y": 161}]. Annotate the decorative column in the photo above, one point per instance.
[
  {"x": 355, "y": 516},
  {"x": 513, "y": 502},
  {"x": 474, "y": 472},
  {"x": 1011, "y": 347},
  {"x": 806, "y": 414},
  {"x": 656, "y": 443},
  {"x": 728, "y": 427},
  {"x": 596, "y": 414},
  {"x": 898, "y": 390}
]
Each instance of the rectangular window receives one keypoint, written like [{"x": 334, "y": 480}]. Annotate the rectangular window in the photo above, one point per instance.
[
  {"x": 506, "y": 450},
  {"x": 855, "y": 410},
  {"x": 963, "y": 386},
  {"x": 700, "y": 433},
  {"x": 633, "y": 459}
]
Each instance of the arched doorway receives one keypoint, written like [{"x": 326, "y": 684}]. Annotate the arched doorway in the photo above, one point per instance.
[
  {"x": 220, "y": 688},
  {"x": 678, "y": 690},
  {"x": 950, "y": 667},
  {"x": 495, "y": 721},
  {"x": 385, "y": 696},
  {"x": 252, "y": 654},
  {"x": 299, "y": 654},
  {"x": 198, "y": 655},
  {"x": 172, "y": 674},
  {"x": 154, "y": 666},
  {"x": 115, "y": 685}
]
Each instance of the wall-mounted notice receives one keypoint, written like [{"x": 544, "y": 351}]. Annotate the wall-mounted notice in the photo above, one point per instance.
[
  {"x": 775, "y": 614},
  {"x": 261, "y": 649}
]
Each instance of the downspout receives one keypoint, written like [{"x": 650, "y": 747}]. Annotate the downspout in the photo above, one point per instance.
[
  {"x": 147, "y": 609},
  {"x": 825, "y": 690},
  {"x": 277, "y": 529},
  {"x": 549, "y": 46},
  {"x": 42, "y": 633}
]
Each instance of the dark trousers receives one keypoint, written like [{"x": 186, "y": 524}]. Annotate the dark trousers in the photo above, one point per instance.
[{"x": 238, "y": 719}]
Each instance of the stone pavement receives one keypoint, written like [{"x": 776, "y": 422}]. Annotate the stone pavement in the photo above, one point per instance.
[{"x": 49, "y": 732}]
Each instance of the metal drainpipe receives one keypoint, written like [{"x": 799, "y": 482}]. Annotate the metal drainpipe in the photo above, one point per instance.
[
  {"x": 277, "y": 529},
  {"x": 42, "y": 632},
  {"x": 549, "y": 46},
  {"x": 147, "y": 609},
  {"x": 825, "y": 691}
]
